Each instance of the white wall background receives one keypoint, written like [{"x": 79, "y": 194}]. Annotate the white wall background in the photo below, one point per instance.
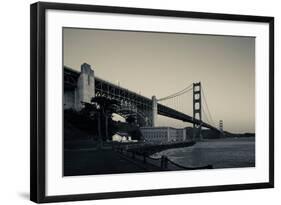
[{"x": 14, "y": 103}]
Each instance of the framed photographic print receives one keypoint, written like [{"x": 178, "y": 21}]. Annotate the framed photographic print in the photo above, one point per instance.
[{"x": 129, "y": 102}]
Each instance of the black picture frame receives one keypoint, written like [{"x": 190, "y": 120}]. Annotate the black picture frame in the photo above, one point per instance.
[{"x": 38, "y": 100}]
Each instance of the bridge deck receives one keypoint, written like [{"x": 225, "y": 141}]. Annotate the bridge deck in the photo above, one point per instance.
[{"x": 70, "y": 81}]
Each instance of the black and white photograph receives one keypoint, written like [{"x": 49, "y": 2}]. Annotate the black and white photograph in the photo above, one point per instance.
[{"x": 138, "y": 101}]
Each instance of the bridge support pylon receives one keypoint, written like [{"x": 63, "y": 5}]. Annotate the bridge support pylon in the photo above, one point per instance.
[
  {"x": 154, "y": 111},
  {"x": 85, "y": 86},
  {"x": 221, "y": 128},
  {"x": 197, "y": 112}
]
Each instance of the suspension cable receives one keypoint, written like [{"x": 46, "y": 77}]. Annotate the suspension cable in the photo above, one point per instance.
[
  {"x": 187, "y": 89},
  {"x": 171, "y": 97},
  {"x": 205, "y": 115},
  {"x": 208, "y": 110}
]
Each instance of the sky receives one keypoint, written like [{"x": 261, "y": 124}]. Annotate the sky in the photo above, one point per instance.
[{"x": 161, "y": 64}]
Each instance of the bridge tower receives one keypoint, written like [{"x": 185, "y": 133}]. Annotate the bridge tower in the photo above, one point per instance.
[
  {"x": 221, "y": 128},
  {"x": 85, "y": 86},
  {"x": 197, "y": 112},
  {"x": 221, "y": 125},
  {"x": 154, "y": 111}
]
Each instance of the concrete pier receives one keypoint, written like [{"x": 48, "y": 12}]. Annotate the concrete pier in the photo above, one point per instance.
[
  {"x": 85, "y": 86},
  {"x": 154, "y": 110}
]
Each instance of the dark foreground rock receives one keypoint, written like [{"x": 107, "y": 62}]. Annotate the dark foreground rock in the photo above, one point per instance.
[{"x": 101, "y": 161}]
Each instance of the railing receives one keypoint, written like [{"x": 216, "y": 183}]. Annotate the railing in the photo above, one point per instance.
[
  {"x": 163, "y": 162},
  {"x": 189, "y": 168}
]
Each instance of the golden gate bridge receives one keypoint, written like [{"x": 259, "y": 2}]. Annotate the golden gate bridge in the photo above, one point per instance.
[{"x": 83, "y": 86}]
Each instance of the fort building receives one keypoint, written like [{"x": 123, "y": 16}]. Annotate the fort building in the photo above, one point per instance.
[{"x": 164, "y": 134}]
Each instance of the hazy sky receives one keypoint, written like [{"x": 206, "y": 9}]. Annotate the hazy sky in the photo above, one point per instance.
[{"x": 162, "y": 63}]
